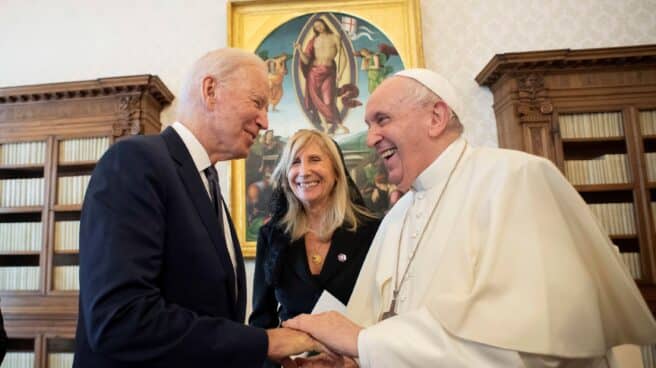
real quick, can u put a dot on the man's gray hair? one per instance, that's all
(423, 96)
(222, 65)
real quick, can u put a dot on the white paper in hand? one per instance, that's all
(328, 302)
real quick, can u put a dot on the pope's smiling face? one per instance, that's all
(398, 130)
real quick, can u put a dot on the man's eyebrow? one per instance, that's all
(259, 98)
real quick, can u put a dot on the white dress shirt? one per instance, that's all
(202, 161)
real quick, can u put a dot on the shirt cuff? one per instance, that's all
(364, 359)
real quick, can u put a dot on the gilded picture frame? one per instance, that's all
(280, 32)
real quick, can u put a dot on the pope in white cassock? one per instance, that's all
(491, 259)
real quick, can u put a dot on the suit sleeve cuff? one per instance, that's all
(260, 342)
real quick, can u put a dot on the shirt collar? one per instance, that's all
(196, 150)
(438, 171)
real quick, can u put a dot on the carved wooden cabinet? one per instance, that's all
(51, 136)
(593, 113)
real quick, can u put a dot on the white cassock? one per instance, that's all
(512, 270)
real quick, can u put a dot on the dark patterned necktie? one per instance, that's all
(215, 192)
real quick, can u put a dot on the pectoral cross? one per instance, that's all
(391, 312)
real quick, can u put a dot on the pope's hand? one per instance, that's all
(334, 330)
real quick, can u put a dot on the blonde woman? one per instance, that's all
(318, 236)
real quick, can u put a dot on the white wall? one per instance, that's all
(464, 35)
(44, 41)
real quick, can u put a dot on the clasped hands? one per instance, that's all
(330, 333)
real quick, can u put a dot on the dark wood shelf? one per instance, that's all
(592, 149)
(76, 167)
(593, 139)
(60, 345)
(60, 292)
(67, 251)
(77, 163)
(20, 344)
(604, 187)
(18, 253)
(67, 207)
(22, 166)
(66, 259)
(26, 209)
(20, 260)
(5, 293)
(623, 236)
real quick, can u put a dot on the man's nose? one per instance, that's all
(262, 120)
(373, 136)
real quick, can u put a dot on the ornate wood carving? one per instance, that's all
(64, 105)
(129, 121)
(533, 98)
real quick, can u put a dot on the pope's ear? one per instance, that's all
(439, 119)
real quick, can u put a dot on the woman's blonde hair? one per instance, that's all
(342, 209)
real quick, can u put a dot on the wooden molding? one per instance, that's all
(553, 60)
(88, 89)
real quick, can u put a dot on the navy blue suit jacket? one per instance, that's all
(157, 287)
(283, 286)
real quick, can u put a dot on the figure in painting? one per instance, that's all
(276, 71)
(375, 63)
(321, 68)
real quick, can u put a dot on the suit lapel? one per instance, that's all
(190, 177)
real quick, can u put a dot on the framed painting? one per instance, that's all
(324, 58)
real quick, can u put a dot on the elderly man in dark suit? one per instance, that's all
(161, 271)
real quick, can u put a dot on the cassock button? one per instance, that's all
(341, 257)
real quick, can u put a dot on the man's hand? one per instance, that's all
(334, 330)
(323, 360)
(284, 342)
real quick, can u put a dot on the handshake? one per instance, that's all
(330, 333)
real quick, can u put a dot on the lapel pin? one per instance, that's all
(341, 257)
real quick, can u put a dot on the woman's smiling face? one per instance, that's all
(312, 176)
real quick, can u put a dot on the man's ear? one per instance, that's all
(439, 119)
(208, 90)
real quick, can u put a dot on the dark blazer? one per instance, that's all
(3, 339)
(282, 275)
(157, 288)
